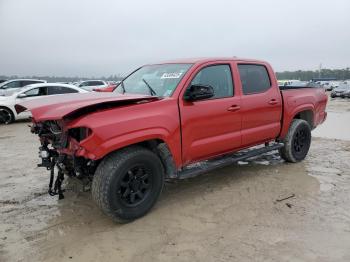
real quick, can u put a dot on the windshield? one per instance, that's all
(158, 80)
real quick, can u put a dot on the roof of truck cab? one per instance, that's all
(201, 60)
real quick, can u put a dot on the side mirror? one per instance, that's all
(198, 92)
(22, 95)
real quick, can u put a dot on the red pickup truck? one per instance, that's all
(171, 120)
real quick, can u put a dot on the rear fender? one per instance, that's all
(289, 116)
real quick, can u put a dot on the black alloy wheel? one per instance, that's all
(301, 142)
(135, 186)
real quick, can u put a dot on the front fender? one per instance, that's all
(90, 150)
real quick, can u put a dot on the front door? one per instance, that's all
(212, 126)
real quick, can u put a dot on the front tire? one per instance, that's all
(127, 183)
(6, 116)
(297, 141)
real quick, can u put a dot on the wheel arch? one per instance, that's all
(307, 115)
(161, 148)
(305, 112)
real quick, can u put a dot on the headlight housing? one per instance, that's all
(79, 133)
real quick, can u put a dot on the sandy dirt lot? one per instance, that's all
(232, 214)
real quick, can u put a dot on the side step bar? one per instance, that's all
(209, 165)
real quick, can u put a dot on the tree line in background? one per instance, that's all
(339, 74)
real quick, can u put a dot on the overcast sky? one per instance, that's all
(101, 37)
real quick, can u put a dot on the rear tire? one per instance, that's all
(6, 116)
(297, 141)
(127, 183)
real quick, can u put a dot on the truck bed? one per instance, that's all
(296, 87)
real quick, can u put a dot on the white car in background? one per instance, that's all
(8, 113)
(90, 85)
(11, 86)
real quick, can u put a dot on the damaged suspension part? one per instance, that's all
(50, 159)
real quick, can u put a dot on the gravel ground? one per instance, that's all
(232, 214)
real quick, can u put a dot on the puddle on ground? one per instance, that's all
(336, 126)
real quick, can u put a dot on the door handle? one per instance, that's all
(233, 108)
(273, 102)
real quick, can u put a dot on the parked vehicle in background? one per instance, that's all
(339, 91)
(172, 120)
(90, 85)
(287, 82)
(8, 113)
(11, 86)
(346, 94)
(296, 83)
(315, 84)
(301, 84)
(113, 82)
(332, 85)
(110, 88)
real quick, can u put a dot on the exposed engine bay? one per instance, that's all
(57, 151)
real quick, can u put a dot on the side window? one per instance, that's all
(14, 84)
(40, 91)
(56, 90)
(96, 83)
(91, 83)
(32, 92)
(27, 82)
(254, 78)
(217, 76)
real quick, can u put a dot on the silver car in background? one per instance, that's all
(341, 90)
(90, 85)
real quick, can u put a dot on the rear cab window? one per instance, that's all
(254, 78)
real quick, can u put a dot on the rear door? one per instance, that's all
(261, 104)
(213, 126)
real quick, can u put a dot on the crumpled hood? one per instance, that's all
(61, 106)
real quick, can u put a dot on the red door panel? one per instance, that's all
(210, 128)
(261, 117)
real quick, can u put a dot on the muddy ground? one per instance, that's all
(232, 214)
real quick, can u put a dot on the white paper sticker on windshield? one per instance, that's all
(171, 75)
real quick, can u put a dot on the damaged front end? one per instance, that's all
(65, 144)
(60, 149)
